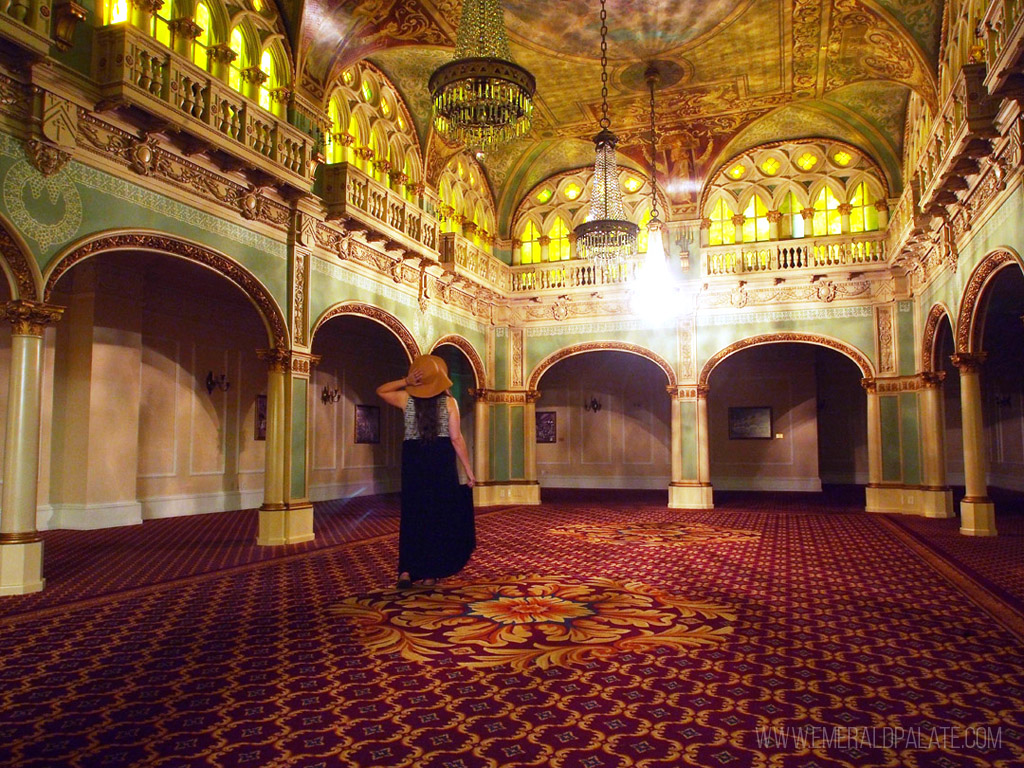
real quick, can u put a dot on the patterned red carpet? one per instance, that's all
(596, 630)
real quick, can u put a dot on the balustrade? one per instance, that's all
(27, 24)
(1003, 32)
(563, 275)
(789, 255)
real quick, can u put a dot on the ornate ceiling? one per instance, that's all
(746, 73)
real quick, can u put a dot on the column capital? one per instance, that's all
(774, 217)
(969, 362)
(532, 395)
(932, 379)
(277, 360)
(807, 213)
(845, 209)
(30, 318)
(186, 27)
(478, 394)
(222, 53)
(254, 75)
(870, 385)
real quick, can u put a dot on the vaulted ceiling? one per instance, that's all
(745, 73)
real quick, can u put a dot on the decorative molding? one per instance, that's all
(969, 362)
(598, 346)
(22, 267)
(469, 351)
(968, 330)
(278, 360)
(774, 338)
(299, 296)
(885, 339)
(386, 319)
(915, 383)
(931, 330)
(687, 392)
(172, 246)
(686, 350)
(303, 363)
(46, 158)
(30, 318)
(516, 337)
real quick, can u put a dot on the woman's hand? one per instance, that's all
(414, 378)
(471, 481)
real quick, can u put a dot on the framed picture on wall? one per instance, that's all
(367, 424)
(260, 430)
(753, 423)
(547, 427)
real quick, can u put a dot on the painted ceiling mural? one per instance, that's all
(737, 73)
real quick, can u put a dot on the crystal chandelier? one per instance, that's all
(605, 236)
(481, 98)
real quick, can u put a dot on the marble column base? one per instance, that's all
(977, 518)
(690, 496)
(285, 524)
(21, 568)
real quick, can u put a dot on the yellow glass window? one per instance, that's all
(722, 230)
(792, 219)
(544, 195)
(200, 49)
(347, 77)
(864, 216)
(641, 237)
(632, 184)
(385, 108)
(257, 5)
(807, 160)
(530, 249)
(842, 158)
(116, 11)
(161, 28)
(572, 191)
(755, 226)
(353, 130)
(268, 68)
(558, 249)
(366, 90)
(770, 166)
(737, 171)
(236, 44)
(827, 220)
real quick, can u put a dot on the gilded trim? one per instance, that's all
(389, 321)
(194, 252)
(22, 271)
(853, 353)
(600, 346)
(931, 332)
(469, 351)
(968, 329)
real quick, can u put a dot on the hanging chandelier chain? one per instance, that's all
(654, 161)
(605, 122)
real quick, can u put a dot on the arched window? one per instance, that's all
(827, 220)
(722, 231)
(200, 49)
(558, 248)
(755, 224)
(357, 141)
(864, 216)
(269, 68)
(161, 25)
(792, 224)
(530, 249)
(237, 45)
(115, 11)
(642, 235)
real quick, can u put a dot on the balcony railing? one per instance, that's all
(27, 24)
(792, 255)
(960, 136)
(349, 193)
(1003, 30)
(132, 68)
(906, 223)
(563, 275)
(465, 257)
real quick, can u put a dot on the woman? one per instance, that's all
(437, 533)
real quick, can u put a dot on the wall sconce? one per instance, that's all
(217, 382)
(593, 405)
(330, 395)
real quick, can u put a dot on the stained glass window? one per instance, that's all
(530, 249)
(864, 216)
(642, 235)
(755, 227)
(827, 220)
(842, 158)
(770, 166)
(268, 68)
(544, 195)
(558, 248)
(161, 28)
(236, 44)
(200, 49)
(117, 11)
(722, 230)
(807, 161)
(792, 220)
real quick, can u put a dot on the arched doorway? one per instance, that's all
(603, 421)
(355, 437)
(786, 417)
(156, 388)
(465, 369)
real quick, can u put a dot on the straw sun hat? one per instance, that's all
(435, 376)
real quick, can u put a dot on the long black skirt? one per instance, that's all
(437, 534)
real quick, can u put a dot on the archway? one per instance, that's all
(355, 437)
(603, 419)
(597, 346)
(377, 315)
(157, 384)
(466, 370)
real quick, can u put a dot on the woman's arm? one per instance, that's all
(458, 442)
(394, 392)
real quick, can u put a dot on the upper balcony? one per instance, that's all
(803, 255)
(961, 134)
(134, 70)
(25, 24)
(554, 276)
(907, 225)
(1003, 30)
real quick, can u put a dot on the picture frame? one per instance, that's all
(367, 424)
(750, 423)
(260, 421)
(547, 427)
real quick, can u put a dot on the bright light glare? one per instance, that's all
(654, 297)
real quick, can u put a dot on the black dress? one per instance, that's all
(437, 533)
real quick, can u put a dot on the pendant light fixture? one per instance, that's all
(605, 236)
(481, 98)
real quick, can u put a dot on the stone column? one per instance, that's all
(703, 438)
(937, 496)
(545, 247)
(873, 493)
(21, 548)
(278, 365)
(517, 252)
(142, 13)
(530, 436)
(774, 219)
(883, 213)
(184, 32)
(845, 209)
(977, 513)
(221, 58)
(253, 78)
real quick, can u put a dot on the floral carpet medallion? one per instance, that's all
(528, 621)
(655, 534)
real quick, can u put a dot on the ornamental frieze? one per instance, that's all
(823, 291)
(897, 384)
